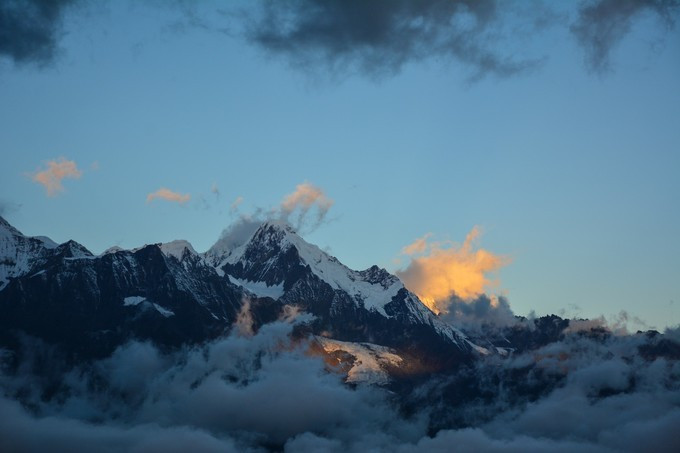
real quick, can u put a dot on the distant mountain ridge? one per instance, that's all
(172, 295)
(169, 294)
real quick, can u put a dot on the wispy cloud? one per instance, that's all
(602, 24)
(215, 190)
(56, 171)
(381, 37)
(169, 195)
(417, 246)
(488, 37)
(235, 204)
(8, 207)
(438, 271)
(305, 198)
(302, 200)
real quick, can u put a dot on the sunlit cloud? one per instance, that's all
(169, 195)
(306, 197)
(439, 270)
(56, 170)
(417, 246)
(235, 204)
(244, 320)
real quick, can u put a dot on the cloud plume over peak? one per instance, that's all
(303, 199)
(440, 270)
(299, 205)
(56, 171)
(167, 194)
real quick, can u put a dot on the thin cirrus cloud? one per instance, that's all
(168, 195)
(57, 170)
(438, 271)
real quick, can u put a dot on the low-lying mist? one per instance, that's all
(592, 391)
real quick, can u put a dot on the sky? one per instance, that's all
(168, 120)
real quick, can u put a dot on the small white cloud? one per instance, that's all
(169, 195)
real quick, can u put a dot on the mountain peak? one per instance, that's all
(6, 227)
(177, 248)
(278, 224)
(72, 249)
(231, 245)
(275, 254)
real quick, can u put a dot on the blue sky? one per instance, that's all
(571, 173)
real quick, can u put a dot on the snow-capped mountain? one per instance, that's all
(19, 254)
(365, 323)
(91, 304)
(276, 262)
(170, 294)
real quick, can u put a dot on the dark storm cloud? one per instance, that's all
(602, 24)
(374, 38)
(381, 36)
(30, 29)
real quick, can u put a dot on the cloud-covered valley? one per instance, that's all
(590, 390)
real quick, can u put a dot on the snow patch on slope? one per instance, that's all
(177, 249)
(133, 300)
(47, 242)
(163, 311)
(113, 249)
(369, 360)
(260, 289)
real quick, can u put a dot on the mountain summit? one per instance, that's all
(370, 305)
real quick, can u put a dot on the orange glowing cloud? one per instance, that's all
(417, 246)
(439, 270)
(305, 197)
(169, 195)
(56, 170)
